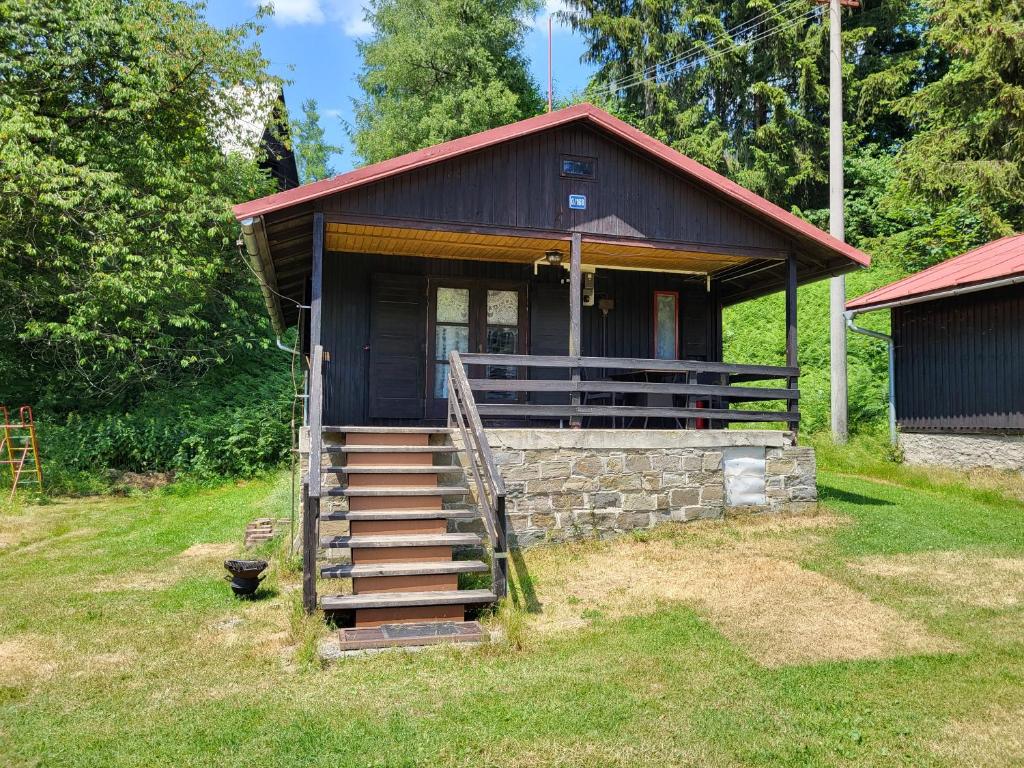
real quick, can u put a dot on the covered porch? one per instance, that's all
(516, 337)
(568, 329)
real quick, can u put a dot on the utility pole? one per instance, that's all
(837, 225)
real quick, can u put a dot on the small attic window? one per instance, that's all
(578, 167)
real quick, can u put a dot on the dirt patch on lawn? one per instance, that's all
(972, 579)
(209, 551)
(137, 581)
(179, 568)
(775, 610)
(26, 659)
(994, 739)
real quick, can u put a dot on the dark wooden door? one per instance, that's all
(473, 316)
(398, 310)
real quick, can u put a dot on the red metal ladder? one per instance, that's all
(18, 446)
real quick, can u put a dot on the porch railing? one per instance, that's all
(696, 390)
(490, 488)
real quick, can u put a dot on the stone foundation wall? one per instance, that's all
(963, 451)
(569, 484)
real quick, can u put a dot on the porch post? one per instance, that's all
(792, 358)
(575, 300)
(311, 506)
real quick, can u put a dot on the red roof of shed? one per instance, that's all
(995, 261)
(625, 132)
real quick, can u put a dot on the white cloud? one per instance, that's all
(350, 14)
(550, 8)
(298, 12)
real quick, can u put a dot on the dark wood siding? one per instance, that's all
(519, 185)
(960, 362)
(348, 281)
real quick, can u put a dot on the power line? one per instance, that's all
(696, 49)
(680, 62)
(633, 81)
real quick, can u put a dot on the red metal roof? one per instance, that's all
(580, 112)
(998, 260)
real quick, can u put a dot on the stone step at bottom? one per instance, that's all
(409, 635)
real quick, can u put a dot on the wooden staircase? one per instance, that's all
(393, 483)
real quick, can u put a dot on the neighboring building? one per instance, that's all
(473, 298)
(260, 129)
(958, 336)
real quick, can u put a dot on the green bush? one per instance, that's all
(233, 422)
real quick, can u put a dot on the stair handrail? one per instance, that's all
(489, 484)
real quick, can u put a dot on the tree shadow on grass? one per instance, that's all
(828, 493)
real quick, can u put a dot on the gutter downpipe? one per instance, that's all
(849, 315)
(252, 251)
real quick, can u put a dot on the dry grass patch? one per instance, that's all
(26, 659)
(994, 739)
(209, 551)
(746, 584)
(965, 577)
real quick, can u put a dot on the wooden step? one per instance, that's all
(414, 568)
(406, 599)
(388, 430)
(401, 540)
(390, 449)
(410, 635)
(398, 491)
(402, 514)
(390, 469)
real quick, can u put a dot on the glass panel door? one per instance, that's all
(666, 325)
(470, 316)
(451, 332)
(502, 336)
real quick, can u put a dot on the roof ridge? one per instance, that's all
(695, 171)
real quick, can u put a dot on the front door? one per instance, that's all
(473, 316)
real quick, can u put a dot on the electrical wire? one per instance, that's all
(681, 62)
(695, 52)
(260, 280)
(739, 29)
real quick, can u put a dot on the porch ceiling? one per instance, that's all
(434, 243)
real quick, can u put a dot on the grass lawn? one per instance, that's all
(887, 630)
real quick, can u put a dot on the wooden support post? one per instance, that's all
(311, 505)
(499, 566)
(310, 517)
(575, 309)
(792, 357)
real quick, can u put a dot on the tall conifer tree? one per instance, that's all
(435, 70)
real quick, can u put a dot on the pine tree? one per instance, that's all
(960, 178)
(745, 88)
(435, 70)
(312, 152)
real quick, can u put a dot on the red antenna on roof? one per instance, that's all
(549, 63)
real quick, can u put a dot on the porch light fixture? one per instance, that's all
(554, 257)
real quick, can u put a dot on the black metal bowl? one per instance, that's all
(245, 569)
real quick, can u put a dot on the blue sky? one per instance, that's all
(312, 44)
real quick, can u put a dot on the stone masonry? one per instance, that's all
(572, 484)
(963, 451)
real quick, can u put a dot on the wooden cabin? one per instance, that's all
(957, 362)
(538, 309)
